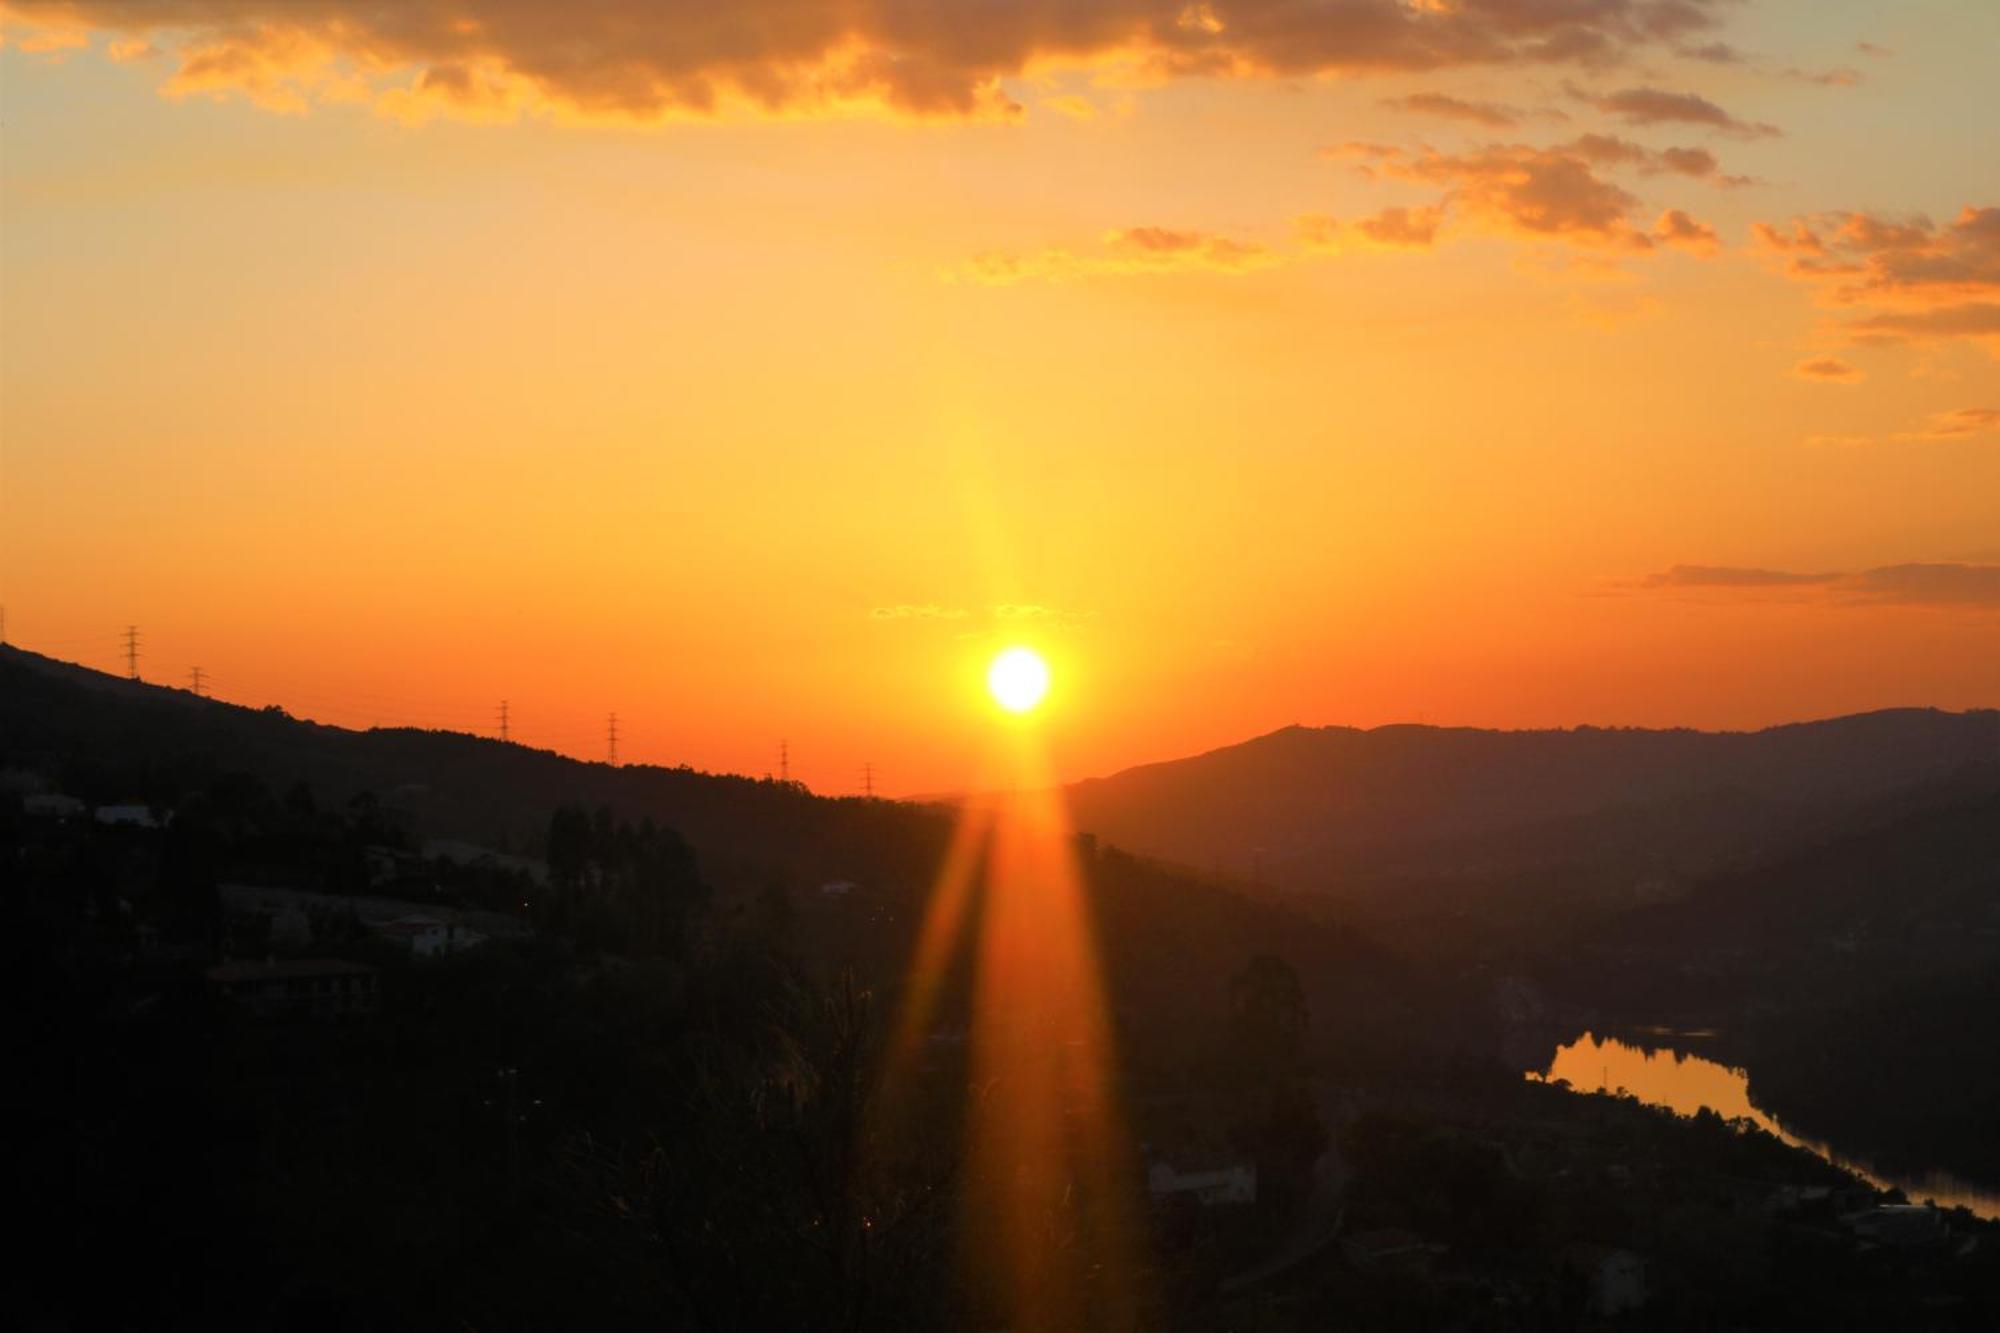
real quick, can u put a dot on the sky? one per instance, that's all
(757, 372)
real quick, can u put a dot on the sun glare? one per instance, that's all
(1018, 679)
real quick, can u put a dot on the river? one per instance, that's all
(1685, 1083)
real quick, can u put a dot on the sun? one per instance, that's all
(1018, 679)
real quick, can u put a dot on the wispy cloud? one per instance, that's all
(918, 611)
(1391, 228)
(1132, 250)
(1957, 424)
(1492, 115)
(1017, 611)
(1729, 576)
(1661, 106)
(1829, 369)
(1938, 584)
(1960, 423)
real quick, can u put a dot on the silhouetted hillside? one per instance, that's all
(1587, 811)
(110, 739)
(1170, 942)
(1855, 977)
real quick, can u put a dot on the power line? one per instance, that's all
(132, 651)
(611, 742)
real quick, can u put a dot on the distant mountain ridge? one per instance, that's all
(1304, 806)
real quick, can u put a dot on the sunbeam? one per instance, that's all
(1049, 1231)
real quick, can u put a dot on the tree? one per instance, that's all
(1267, 1017)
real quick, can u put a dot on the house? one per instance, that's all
(127, 816)
(299, 987)
(51, 805)
(1390, 1247)
(429, 936)
(1209, 1184)
(837, 888)
(471, 854)
(1903, 1226)
(1614, 1279)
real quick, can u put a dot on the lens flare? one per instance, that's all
(1050, 1233)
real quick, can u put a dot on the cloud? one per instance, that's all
(1976, 321)
(923, 611)
(1843, 77)
(1072, 106)
(1551, 193)
(1518, 190)
(1677, 228)
(1695, 163)
(1928, 585)
(1490, 114)
(1133, 250)
(1966, 421)
(1053, 616)
(1658, 106)
(1909, 279)
(1712, 53)
(1828, 368)
(1963, 423)
(1944, 584)
(1391, 229)
(649, 59)
(1725, 576)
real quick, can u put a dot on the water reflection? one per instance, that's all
(1686, 1083)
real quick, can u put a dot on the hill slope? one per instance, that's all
(1344, 811)
(1169, 943)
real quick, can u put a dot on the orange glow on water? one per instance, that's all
(1686, 1084)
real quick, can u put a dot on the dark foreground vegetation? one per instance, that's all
(291, 1050)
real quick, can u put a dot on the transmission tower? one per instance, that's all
(611, 742)
(784, 761)
(868, 781)
(503, 720)
(197, 681)
(132, 651)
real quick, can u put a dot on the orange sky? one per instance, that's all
(756, 373)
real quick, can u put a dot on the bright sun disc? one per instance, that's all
(1018, 679)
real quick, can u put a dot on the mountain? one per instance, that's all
(1169, 942)
(108, 739)
(1855, 977)
(1371, 815)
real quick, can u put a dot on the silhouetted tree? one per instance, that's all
(1267, 1017)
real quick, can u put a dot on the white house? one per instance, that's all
(51, 805)
(429, 937)
(1615, 1278)
(1233, 1182)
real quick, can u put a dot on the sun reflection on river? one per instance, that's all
(1686, 1083)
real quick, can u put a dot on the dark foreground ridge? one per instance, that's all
(400, 1029)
